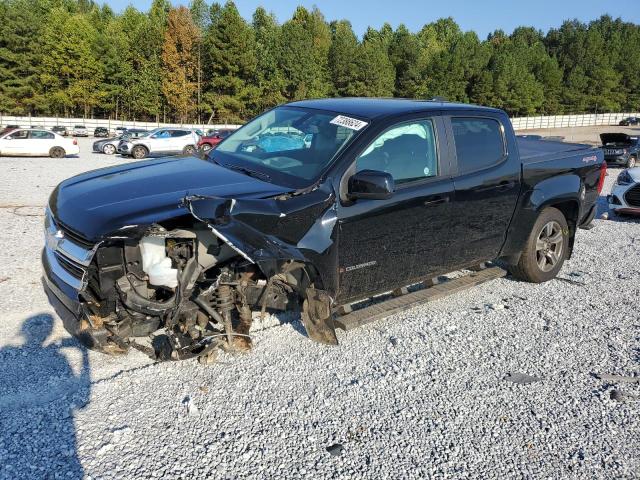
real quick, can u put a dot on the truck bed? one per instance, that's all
(533, 150)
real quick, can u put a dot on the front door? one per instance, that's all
(16, 143)
(384, 244)
(161, 141)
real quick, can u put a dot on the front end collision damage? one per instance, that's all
(184, 288)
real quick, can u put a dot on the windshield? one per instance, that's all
(292, 145)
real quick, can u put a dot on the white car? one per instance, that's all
(625, 194)
(80, 131)
(161, 141)
(36, 143)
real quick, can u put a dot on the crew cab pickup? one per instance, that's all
(171, 256)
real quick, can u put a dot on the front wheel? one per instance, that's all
(632, 162)
(139, 152)
(205, 147)
(57, 152)
(109, 149)
(545, 250)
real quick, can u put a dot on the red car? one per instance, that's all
(213, 138)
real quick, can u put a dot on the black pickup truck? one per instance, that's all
(314, 204)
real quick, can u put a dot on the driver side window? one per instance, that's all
(406, 151)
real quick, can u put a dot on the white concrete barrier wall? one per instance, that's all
(519, 123)
(91, 123)
(560, 121)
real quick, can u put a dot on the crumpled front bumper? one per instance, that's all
(65, 263)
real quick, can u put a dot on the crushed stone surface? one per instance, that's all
(424, 393)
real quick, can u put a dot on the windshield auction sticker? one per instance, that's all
(348, 122)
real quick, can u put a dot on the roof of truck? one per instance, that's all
(381, 107)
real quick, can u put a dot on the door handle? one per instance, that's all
(436, 200)
(502, 186)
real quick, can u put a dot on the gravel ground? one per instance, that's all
(420, 394)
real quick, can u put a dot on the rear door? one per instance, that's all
(487, 184)
(384, 244)
(179, 140)
(15, 143)
(41, 142)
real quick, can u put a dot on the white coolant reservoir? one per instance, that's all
(156, 264)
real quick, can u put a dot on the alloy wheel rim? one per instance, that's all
(549, 246)
(109, 149)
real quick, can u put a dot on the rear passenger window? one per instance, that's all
(406, 151)
(479, 143)
(42, 135)
(178, 133)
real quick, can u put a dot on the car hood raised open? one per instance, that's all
(98, 203)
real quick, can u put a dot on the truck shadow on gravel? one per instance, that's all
(38, 397)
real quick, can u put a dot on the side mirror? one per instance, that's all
(371, 184)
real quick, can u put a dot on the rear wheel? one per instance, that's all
(189, 150)
(139, 152)
(57, 152)
(546, 248)
(109, 149)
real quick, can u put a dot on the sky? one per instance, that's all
(482, 16)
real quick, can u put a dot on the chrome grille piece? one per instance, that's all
(67, 253)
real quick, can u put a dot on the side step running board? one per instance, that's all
(403, 302)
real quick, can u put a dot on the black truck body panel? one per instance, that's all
(348, 249)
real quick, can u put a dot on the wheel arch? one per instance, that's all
(560, 192)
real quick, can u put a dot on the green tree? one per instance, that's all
(231, 62)
(270, 78)
(306, 40)
(179, 62)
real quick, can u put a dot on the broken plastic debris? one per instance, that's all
(335, 449)
(521, 378)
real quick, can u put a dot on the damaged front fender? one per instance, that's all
(275, 233)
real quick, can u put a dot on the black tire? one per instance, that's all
(206, 147)
(542, 257)
(109, 149)
(632, 162)
(189, 150)
(139, 152)
(57, 152)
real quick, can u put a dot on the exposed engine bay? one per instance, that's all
(185, 289)
(182, 289)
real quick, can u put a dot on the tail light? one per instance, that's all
(75, 141)
(603, 173)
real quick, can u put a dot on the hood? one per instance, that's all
(98, 203)
(634, 173)
(105, 140)
(617, 138)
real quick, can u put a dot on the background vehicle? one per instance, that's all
(626, 122)
(625, 194)
(80, 131)
(101, 132)
(36, 143)
(161, 141)
(60, 130)
(213, 138)
(387, 193)
(109, 146)
(620, 149)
